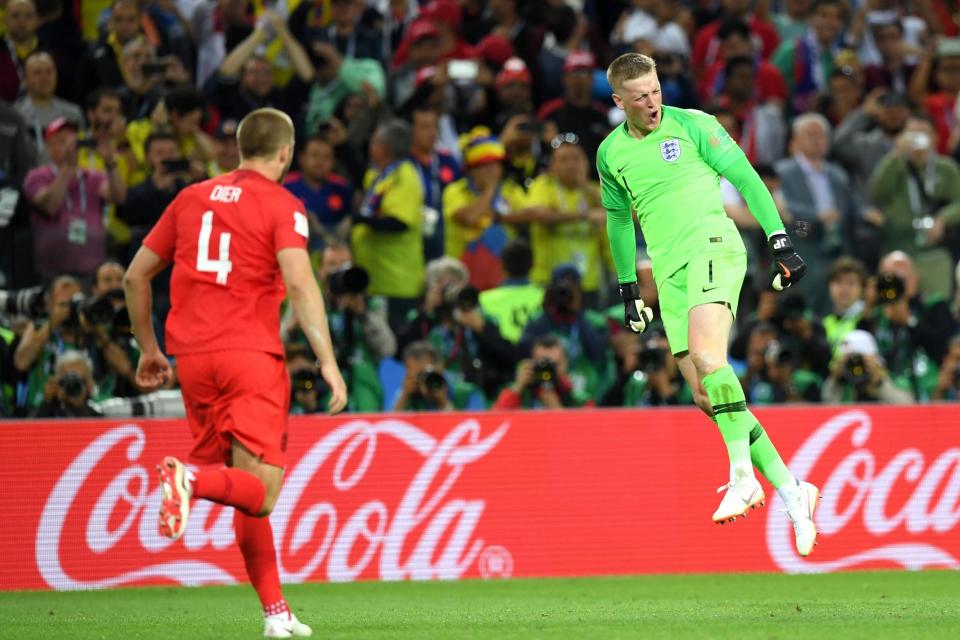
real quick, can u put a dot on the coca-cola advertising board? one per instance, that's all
(486, 495)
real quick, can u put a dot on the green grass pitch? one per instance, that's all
(871, 605)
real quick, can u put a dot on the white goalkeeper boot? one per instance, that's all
(801, 503)
(742, 496)
(285, 625)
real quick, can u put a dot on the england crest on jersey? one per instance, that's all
(670, 149)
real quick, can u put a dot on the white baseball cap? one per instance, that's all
(859, 341)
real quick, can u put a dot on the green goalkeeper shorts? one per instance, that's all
(708, 277)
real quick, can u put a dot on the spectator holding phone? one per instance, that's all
(68, 230)
(180, 112)
(146, 78)
(168, 174)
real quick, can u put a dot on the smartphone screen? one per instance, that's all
(176, 166)
(154, 68)
(462, 69)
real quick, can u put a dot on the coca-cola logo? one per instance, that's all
(427, 534)
(858, 492)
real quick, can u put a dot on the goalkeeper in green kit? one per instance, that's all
(665, 163)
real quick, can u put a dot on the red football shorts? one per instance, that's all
(236, 394)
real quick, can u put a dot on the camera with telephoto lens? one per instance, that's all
(431, 379)
(890, 288)
(457, 296)
(96, 309)
(349, 280)
(73, 384)
(460, 296)
(855, 371)
(559, 297)
(793, 307)
(305, 380)
(544, 373)
(651, 357)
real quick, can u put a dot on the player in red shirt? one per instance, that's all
(237, 243)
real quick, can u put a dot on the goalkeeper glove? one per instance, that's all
(636, 316)
(790, 266)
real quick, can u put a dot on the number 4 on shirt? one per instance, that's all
(222, 265)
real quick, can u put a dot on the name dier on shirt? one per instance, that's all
(228, 194)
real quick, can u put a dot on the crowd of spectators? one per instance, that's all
(445, 159)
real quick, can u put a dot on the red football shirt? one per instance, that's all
(222, 236)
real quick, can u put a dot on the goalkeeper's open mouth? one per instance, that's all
(653, 118)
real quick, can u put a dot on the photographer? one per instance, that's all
(858, 374)
(542, 382)
(761, 336)
(70, 389)
(108, 308)
(450, 317)
(934, 320)
(583, 334)
(361, 335)
(782, 381)
(804, 335)
(358, 327)
(901, 338)
(948, 382)
(649, 376)
(74, 322)
(427, 388)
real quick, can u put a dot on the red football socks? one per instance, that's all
(232, 487)
(255, 539)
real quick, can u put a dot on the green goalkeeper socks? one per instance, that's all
(747, 442)
(765, 458)
(733, 419)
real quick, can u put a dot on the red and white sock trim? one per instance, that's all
(276, 608)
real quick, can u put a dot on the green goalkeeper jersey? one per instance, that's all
(671, 178)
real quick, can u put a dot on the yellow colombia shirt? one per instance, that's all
(394, 260)
(579, 242)
(457, 195)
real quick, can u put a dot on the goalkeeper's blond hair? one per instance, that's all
(627, 67)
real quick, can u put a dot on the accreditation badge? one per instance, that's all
(77, 231)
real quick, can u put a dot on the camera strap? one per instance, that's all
(17, 66)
